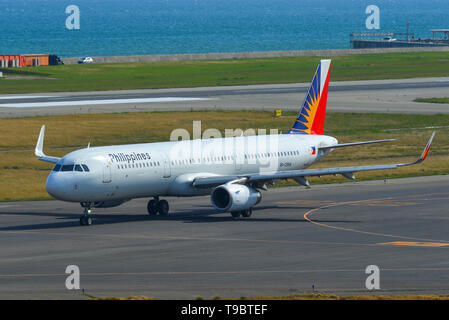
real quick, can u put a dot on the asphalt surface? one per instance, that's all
(325, 236)
(351, 96)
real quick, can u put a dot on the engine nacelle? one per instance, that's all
(234, 197)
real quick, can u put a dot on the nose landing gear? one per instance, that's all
(86, 219)
(157, 206)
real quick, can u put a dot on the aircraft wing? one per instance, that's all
(259, 178)
(38, 151)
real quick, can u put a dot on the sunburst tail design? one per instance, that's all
(311, 116)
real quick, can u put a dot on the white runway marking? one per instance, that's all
(6, 206)
(94, 102)
(22, 97)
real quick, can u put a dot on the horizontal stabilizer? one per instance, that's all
(352, 144)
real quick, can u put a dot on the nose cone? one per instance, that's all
(57, 187)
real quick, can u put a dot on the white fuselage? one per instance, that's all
(168, 168)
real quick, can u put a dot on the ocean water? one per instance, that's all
(137, 27)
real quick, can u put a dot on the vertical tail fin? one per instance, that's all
(311, 116)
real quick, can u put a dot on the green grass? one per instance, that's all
(121, 76)
(433, 100)
(23, 176)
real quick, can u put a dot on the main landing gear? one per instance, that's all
(244, 213)
(157, 206)
(86, 219)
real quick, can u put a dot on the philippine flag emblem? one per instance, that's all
(313, 150)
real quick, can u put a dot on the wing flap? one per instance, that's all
(345, 171)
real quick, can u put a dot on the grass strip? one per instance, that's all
(176, 74)
(23, 176)
(433, 100)
(310, 296)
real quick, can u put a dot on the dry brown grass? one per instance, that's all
(23, 176)
(325, 296)
(310, 296)
(127, 298)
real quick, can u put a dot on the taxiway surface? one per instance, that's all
(387, 96)
(297, 238)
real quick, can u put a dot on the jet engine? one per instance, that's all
(234, 197)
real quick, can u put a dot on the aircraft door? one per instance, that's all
(167, 168)
(238, 163)
(239, 148)
(107, 174)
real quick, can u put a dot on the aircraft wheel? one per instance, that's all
(247, 213)
(163, 207)
(235, 214)
(85, 220)
(152, 207)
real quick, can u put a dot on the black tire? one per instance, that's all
(85, 220)
(152, 207)
(163, 208)
(235, 214)
(247, 213)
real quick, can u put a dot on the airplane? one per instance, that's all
(104, 177)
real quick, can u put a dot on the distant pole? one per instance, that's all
(408, 25)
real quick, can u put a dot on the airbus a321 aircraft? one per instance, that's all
(103, 177)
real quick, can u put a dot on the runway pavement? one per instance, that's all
(394, 96)
(296, 238)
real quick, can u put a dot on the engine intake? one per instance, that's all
(234, 197)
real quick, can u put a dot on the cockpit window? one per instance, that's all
(67, 167)
(71, 167)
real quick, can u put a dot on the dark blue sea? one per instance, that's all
(138, 27)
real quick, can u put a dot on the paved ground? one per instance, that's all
(350, 96)
(325, 236)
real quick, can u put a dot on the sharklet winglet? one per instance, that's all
(39, 150)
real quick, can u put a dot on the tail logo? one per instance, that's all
(311, 116)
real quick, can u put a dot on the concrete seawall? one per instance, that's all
(244, 55)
